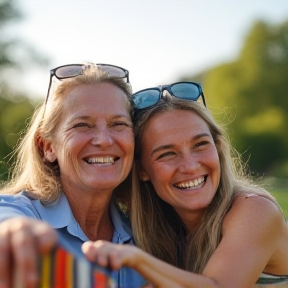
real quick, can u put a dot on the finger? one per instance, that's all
(46, 237)
(106, 254)
(115, 260)
(5, 260)
(93, 249)
(21, 241)
(97, 251)
(36, 237)
(24, 252)
(89, 250)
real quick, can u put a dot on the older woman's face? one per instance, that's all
(179, 157)
(94, 141)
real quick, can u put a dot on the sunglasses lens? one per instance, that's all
(68, 71)
(188, 91)
(145, 98)
(113, 71)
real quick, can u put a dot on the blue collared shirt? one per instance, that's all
(60, 217)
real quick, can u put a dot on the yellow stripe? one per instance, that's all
(69, 270)
(46, 271)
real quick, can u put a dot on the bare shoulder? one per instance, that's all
(256, 226)
(252, 208)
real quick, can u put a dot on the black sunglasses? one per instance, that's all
(73, 70)
(148, 98)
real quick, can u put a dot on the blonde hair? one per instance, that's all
(30, 171)
(156, 226)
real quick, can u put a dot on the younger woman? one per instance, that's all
(194, 209)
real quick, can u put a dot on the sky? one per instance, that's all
(158, 41)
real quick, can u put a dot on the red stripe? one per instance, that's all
(100, 280)
(59, 268)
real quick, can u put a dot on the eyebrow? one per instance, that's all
(169, 146)
(86, 117)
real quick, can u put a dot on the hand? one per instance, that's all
(111, 255)
(21, 239)
(156, 272)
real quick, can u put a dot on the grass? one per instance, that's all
(282, 198)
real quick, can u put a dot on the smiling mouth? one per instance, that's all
(101, 160)
(192, 183)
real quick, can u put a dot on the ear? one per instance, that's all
(141, 173)
(47, 148)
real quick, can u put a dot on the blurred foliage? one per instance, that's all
(8, 13)
(250, 95)
(13, 118)
(15, 108)
(15, 54)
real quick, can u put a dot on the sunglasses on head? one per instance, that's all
(73, 70)
(148, 98)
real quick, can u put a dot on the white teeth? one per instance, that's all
(101, 160)
(191, 184)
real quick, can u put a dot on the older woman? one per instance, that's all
(193, 209)
(72, 171)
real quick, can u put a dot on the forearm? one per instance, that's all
(155, 271)
(163, 275)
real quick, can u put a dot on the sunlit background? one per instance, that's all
(156, 40)
(238, 50)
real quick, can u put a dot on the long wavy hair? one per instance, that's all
(31, 172)
(157, 227)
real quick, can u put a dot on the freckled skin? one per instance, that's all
(178, 152)
(90, 129)
(177, 148)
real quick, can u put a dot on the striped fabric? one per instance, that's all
(60, 269)
(271, 281)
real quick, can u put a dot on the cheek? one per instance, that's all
(76, 142)
(130, 145)
(159, 175)
(68, 150)
(65, 159)
(215, 166)
(126, 142)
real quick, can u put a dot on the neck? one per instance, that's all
(92, 214)
(191, 219)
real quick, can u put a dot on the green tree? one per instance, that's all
(14, 117)
(15, 108)
(8, 13)
(252, 93)
(9, 47)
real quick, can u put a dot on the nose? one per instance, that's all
(189, 163)
(102, 137)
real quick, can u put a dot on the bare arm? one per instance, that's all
(255, 239)
(157, 272)
(251, 241)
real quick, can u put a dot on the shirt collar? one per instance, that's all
(121, 224)
(58, 214)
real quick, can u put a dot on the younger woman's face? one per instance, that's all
(179, 157)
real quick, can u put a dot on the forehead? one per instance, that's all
(172, 125)
(104, 90)
(96, 96)
(175, 118)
